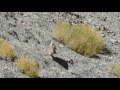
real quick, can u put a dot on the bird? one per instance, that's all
(51, 48)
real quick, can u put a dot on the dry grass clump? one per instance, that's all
(27, 65)
(6, 49)
(82, 38)
(115, 69)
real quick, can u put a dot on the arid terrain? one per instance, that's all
(29, 33)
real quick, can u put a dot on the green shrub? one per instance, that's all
(82, 38)
(6, 49)
(27, 65)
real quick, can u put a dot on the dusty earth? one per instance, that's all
(29, 33)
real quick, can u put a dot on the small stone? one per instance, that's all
(61, 45)
(103, 35)
(113, 40)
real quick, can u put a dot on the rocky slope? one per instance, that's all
(29, 33)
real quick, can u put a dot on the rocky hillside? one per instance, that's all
(29, 33)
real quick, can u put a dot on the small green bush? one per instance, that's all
(82, 38)
(27, 65)
(6, 49)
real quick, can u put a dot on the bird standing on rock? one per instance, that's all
(51, 48)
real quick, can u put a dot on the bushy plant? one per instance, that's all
(115, 69)
(6, 49)
(27, 65)
(81, 38)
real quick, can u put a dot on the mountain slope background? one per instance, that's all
(29, 33)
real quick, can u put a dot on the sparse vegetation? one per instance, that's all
(6, 49)
(115, 69)
(27, 66)
(82, 38)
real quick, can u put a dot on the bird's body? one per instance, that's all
(51, 48)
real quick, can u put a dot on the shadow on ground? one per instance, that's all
(61, 62)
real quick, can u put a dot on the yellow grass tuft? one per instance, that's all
(82, 38)
(27, 65)
(6, 49)
(115, 69)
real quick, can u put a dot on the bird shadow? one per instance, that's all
(61, 62)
